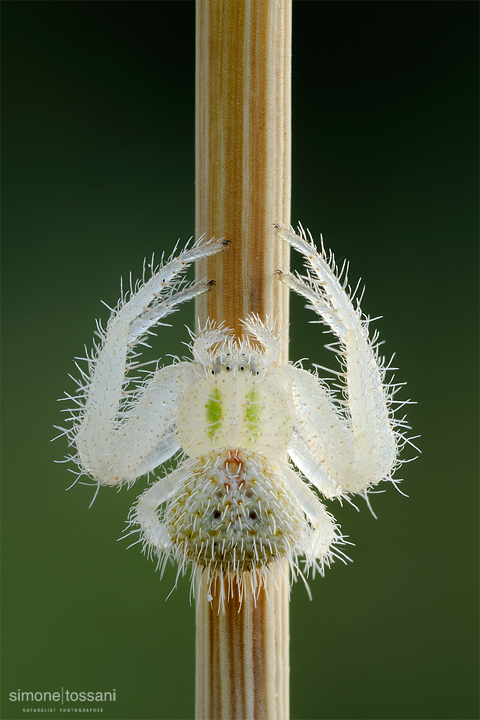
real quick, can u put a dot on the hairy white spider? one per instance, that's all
(235, 503)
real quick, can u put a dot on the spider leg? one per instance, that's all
(313, 469)
(118, 430)
(154, 532)
(167, 446)
(322, 446)
(143, 439)
(324, 532)
(366, 453)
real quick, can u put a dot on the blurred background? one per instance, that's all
(98, 173)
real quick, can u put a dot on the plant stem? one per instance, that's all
(242, 668)
(242, 187)
(243, 141)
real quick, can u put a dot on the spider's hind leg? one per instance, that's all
(154, 532)
(323, 534)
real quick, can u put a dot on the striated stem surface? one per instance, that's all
(242, 651)
(243, 181)
(243, 133)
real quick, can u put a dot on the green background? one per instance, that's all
(98, 172)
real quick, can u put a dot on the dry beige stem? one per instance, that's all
(243, 184)
(243, 154)
(242, 653)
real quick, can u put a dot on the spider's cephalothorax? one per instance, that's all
(256, 434)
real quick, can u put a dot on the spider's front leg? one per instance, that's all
(120, 433)
(339, 452)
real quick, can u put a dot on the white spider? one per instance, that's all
(235, 503)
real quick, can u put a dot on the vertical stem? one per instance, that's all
(243, 82)
(243, 154)
(242, 665)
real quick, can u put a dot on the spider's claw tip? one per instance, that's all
(211, 283)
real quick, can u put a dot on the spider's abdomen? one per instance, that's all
(234, 410)
(234, 513)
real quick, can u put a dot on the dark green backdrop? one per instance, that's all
(98, 172)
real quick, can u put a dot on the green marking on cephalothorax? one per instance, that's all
(214, 412)
(254, 409)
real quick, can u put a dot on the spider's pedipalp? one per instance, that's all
(206, 339)
(266, 335)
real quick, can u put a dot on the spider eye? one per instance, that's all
(242, 367)
(252, 364)
(217, 366)
(228, 367)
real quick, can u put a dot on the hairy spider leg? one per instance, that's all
(365, 448)
(155, 532)
(109, 436)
